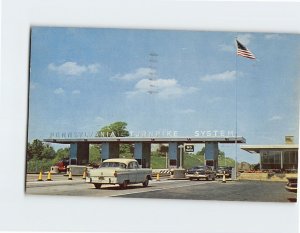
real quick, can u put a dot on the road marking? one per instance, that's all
(158, 189)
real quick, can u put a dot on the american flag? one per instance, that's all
(243, 51)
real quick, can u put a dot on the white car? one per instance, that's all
(119, 171)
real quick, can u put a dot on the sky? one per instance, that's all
(184, 83)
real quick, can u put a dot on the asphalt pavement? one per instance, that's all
(257, 191)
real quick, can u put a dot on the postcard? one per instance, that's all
(168, 114)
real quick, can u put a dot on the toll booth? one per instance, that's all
(211, 154)
(79, 153)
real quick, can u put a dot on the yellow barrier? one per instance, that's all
(49, 176)
(224, 178)
(40, 178)
(70, 176)
(157, 177)
(84, 175)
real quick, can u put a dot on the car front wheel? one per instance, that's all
(146, 183)
(124, 184)
(97, 186)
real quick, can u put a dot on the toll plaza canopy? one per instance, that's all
(110, 147)
(150, 140)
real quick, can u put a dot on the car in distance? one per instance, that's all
(201, 172)
(291, 186)
(222, 169)
(119, 171)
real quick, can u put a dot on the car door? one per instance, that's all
(132, 172)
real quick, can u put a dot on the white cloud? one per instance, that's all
(75, 92)
(275, 118)
(245, 39)
(93, 68)
(273, 36)
(227, 48)
(59, 91)
(73, 69)
(163, 88)
(225, 76)
(99, 119)
(137, 74)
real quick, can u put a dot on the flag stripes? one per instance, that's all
(243, 51)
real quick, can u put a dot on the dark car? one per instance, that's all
(292, 184)
(222, 169)
(201, 172)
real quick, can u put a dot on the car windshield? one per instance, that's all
(200, 167)
(113, 164)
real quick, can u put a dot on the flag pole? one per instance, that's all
(241, 50)
(236, 114)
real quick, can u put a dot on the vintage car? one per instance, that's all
(201, 172)
(291, 186)
(221, 170)
(119, 171)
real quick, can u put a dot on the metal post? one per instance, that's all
(167, 165)
(180, 148)
(281, 160)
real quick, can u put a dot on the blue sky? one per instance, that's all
(84, 79)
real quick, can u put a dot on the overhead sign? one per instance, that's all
(189, 148)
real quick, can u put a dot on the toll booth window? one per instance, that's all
(173, 162)
(209, 163)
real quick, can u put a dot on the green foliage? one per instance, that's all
(201, 152)
(117, 129)
(61, 154)
(94, 154)
(35, 165)
(35, 149)
(226, 161)
(191, 160)
(157, 160)
(48, 152)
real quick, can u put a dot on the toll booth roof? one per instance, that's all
(258, 148)
(100, 140)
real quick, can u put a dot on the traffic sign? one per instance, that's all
(189, 148)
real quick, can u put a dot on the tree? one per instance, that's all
(116, 129)
(62, 153)
(48, 152)
(35, 149)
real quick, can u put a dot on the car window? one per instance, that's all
(130, 165)
(135, 165)
(113, 164)
(122, 165)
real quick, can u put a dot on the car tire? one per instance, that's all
(97, 186)
(146, 183)
(124, 184)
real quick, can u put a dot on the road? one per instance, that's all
(168, 189)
